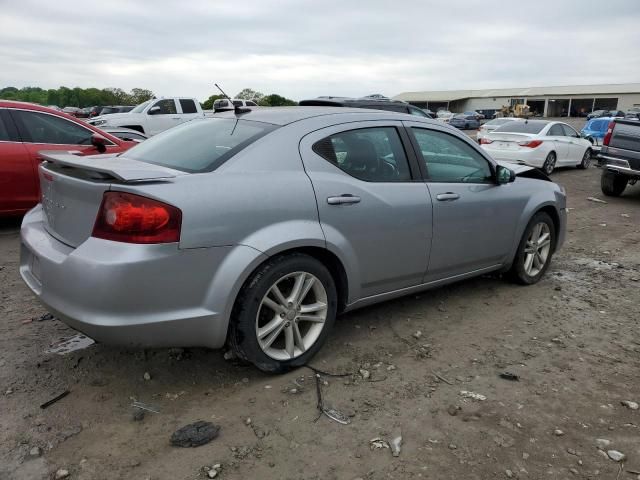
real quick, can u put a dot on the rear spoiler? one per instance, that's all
(120, 168)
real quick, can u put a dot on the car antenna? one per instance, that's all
(236, 109)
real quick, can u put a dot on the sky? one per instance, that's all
(303, 49)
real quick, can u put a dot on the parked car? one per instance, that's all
(471, 113)
(594, 131)
(463, 121)
(224, 105)
(153, 116)
(605, 113)
(108, 110)
(74, 112)
(540, 143)
(27, 129)
(620, 156)
(272, 222)
(429, 112)
(632, 114)
(54, 107)
(491, 125)
(91, 112)
(126, 134)
(371, 103)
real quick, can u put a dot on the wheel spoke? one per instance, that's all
(527, 263)
(298, 337)
(313, 307)
(288, 341)
(305, 289)
(273, 305)
(270, 327)
(274, 334)
(279, 297)
(544, 243)
(536, 233)
(311, 318)
(297, 287)
(543, 238)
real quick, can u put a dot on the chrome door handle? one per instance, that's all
(447, 197)
(346, 199)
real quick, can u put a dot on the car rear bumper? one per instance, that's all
(529, 156)
(130, 294)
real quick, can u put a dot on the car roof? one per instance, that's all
(348, 101)
(32, 106)
(286, 115)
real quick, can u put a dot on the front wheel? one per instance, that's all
(613, 184)
(535, 250)
(549, 163)
(586, 159)
(284, 313)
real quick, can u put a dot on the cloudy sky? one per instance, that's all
(306, 48)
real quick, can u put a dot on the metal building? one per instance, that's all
(572, 100)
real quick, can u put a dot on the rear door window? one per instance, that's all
(188, 105)
(369, 154)
(451, 160)
(44, 128)
(199, 145)
(569, 132)
(556, 131)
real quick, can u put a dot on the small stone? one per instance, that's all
(247, 421)
(391, 367)
(525, 455)
(147, 376)
(556, 340)
(508, 473)
(571, 451)
(616, 456)
(62, 473)
(453, 446)
(365, 373)
(417, 335)
(574, 471)
(35, 452)
(453, 410)
(558, 433)
(630, 404)
(602, 443)
(194, 434)
(293, 391)
(396, 445)
(212, 473)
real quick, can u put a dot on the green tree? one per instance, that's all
(249, 94)
(275, 100)
(140, 95)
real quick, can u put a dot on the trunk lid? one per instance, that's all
(72, 188)
(508, 141)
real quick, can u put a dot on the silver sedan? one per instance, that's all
(254, 230)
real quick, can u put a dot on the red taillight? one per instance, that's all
(607, 136)
(485, 141)
(125, 217)
(530, 143)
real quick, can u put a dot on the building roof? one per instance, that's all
(451, 95)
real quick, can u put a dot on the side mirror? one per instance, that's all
(99, 142)
(504, 175)
(154, 110)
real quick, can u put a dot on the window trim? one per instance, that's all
(10, 126)
(414, 172)
(195, 107)
(26, 137)
(423, 164)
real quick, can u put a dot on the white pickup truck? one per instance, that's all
(153, 116)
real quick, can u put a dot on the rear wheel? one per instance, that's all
(549, 163)
(535, 250)
(586, 159)
(284, 313)
(613, 184)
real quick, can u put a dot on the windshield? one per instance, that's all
(141, 107)
(522, 127)
(199, 145)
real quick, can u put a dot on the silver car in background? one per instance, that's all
(255, 230)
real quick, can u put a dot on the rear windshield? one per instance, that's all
(499, 121)
(522, 127)
(199, 145)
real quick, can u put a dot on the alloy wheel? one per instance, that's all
(549, 163)
(586, 159)
(536, 252)
(291, 315)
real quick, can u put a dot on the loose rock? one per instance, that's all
(62, 473)
(616, 456)
(147, 376)
(195, 434)
(558, 433)
(630, 404)
(417, 335)
(602, 443)
(396, 445)
(35, 452)
(472, 395)
(365, 373)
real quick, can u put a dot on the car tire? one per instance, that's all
(549, 163)
(613, 184)
(254, 311)
(528, 268)
(586, 159)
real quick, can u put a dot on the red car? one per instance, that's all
(25, 130)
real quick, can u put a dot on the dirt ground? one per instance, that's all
(573, 340)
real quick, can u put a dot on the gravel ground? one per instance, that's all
(572, 339)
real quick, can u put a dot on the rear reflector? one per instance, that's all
(607, 136)
(125, 217)
(530, 143)
(485, 141)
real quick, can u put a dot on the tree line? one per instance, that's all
(87, 97)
